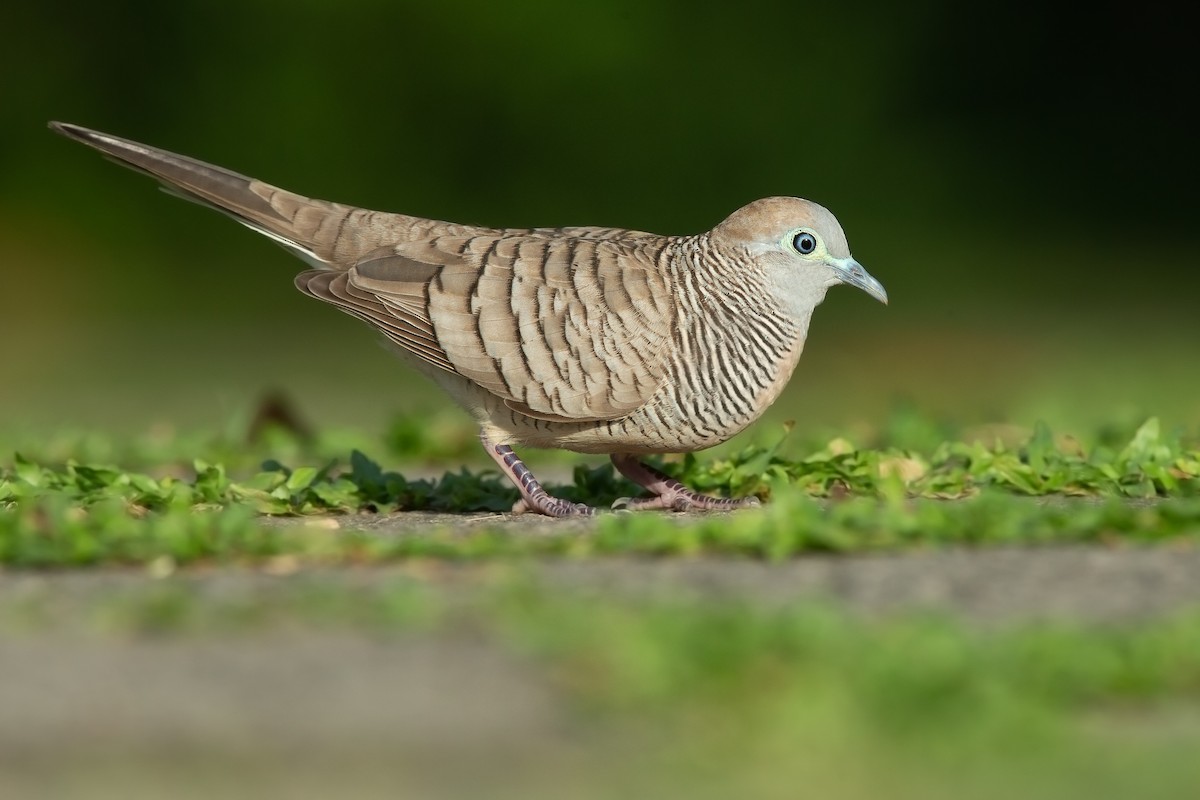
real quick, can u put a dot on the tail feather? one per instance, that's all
(304, 226)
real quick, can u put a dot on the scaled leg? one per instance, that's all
(533, 496)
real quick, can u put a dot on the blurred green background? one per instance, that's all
(1020, 177)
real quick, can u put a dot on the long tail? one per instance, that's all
(315, 230)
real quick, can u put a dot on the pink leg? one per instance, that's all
(668, 492)
(533, 496)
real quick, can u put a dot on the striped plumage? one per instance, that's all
(595, 340)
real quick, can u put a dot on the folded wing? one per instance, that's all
(563, 325)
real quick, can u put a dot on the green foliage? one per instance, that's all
(51, 531)
(837, 499)
(1151, 464)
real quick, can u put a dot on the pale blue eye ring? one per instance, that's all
(804, 242)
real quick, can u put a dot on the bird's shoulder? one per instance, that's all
(453, 252)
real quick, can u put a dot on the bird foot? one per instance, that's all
(686, 500)
(553, 506)
(669, 493)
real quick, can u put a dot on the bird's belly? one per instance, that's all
(681, 418)
(632, 434)
(686, 414)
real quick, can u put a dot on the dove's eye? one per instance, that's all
(804, 242)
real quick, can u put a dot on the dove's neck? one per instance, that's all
(732, 300)
(724, 283)
(797, 292)
(735, 346)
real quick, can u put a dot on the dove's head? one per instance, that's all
(799, 247)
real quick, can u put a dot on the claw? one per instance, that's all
(622, 505)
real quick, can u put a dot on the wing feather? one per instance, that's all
(561, 326)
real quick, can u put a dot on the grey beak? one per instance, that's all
(852, 272)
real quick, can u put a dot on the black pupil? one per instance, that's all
(804, 243)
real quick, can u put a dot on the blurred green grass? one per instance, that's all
(694, 697)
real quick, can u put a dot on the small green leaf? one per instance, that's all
(301, 478)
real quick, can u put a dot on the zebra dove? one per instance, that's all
(595, 340)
